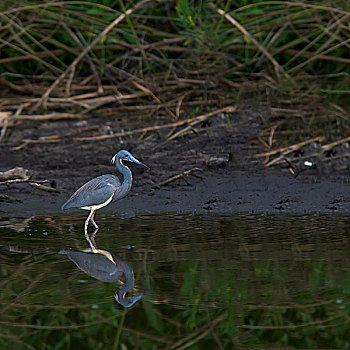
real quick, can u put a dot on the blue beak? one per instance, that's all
(136, 298)
(127, 302)
(134, 160)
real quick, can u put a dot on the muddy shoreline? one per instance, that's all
(231, 178)
(237, 192)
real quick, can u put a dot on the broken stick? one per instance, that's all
(181, 176)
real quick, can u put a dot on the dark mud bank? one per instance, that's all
(231, 177)
(226, 193)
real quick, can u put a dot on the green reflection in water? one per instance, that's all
(209, 283)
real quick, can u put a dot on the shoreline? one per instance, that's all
(214, 194)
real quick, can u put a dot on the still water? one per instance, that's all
(176, 282)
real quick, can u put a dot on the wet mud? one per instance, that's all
(219, 156)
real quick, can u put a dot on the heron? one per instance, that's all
(104, 189)
(106, 267)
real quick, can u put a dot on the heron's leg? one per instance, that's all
(93, 237)
(86, 231)
(93, 221)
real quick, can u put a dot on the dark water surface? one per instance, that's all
(208, 282)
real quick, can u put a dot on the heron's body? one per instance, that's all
(106, 267)
(96, 193)
(102, 190)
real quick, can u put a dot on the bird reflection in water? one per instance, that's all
(106, 267)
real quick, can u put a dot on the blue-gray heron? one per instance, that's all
(106, 267)
(104, 189)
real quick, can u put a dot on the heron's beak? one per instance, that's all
(127, 302)
(134, 160)
(136, 298)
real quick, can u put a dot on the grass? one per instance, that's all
(164, 56)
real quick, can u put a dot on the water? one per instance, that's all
(205, 282)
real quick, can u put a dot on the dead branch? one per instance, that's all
(286, 150)
(4, 121)
(51, 116)
(43, 187)
(148, 91)
(335, 143)
(229, 109)
(16, 88)
(273, 129)
(292, 147)
(20, 175)
(15, 173)
(178, 106)
(16, 181)
(263, 142)
(181, 176)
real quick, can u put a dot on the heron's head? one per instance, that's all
(124, 301)
(125, 155)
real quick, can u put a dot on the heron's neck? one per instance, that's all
(128, 284)
(127, 175)
(126, 287)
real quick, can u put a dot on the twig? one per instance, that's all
(181, 176)
(43, 188)
(23, 177)
(178, 106)
(335, 143)
(16, 88)
(148, 91)
(15, 181)
(291, 148)
(51, 116)
(229, 109)
(263, 142)
(69, 80)
(15, 173)
(286, 150)
(4, 120)
(273, 129)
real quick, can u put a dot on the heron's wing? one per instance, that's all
(95, 192)
(94, 264)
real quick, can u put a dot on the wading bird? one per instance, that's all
(104, 189)
(106, 267)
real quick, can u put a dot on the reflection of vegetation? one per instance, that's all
(241, 282)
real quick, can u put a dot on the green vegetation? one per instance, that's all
(170, 57)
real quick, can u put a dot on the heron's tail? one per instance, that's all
(66, 205)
